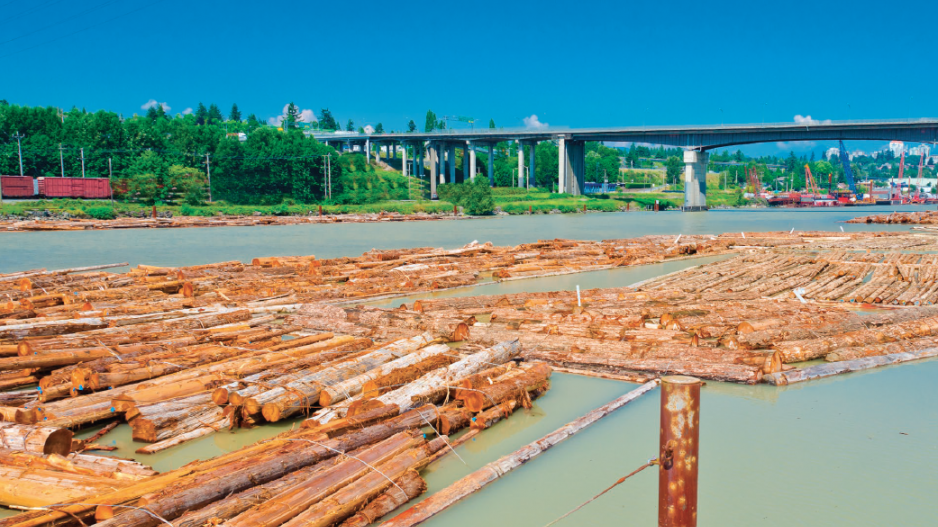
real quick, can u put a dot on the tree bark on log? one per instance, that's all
(413, 486)
(342, 504)
(280, 508)
(436, 384)
(38, 439)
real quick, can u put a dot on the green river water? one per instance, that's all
(857, 449)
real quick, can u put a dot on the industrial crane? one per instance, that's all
(754, 180)
(809, 183)
(898, 194)
(918, 184)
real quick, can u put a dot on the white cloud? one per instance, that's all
(187, 111)
(306, 116)
(806, 119)
(534, 122)
(795, 145)
(152, 103)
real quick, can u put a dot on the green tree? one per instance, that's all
(411, 126)
(235, 114)
(350, 126)
(492, 123)
(292, 117)
(253, 123)
(430, 124)
(214, 115)
(379, 129)
(327, 121)
(201, 114)
(674, 166)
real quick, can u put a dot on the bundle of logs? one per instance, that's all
(925, 217)
(177, 222)
(350, 467)
(891, 278)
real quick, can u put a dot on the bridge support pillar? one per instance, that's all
(433, 151)
(419, 169)
(451, 161)
(368, 151)
(695, 180)
(532, 182)
(491, 161)
(572, 167)
(404, 161)
(520, 164)
(465, 162)
(472, 161)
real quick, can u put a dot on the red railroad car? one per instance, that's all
(17, 187)
(97, 188)
(75, 187)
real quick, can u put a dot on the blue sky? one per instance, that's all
(569, 63)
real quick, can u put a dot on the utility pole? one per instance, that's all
(19, 147)
(61, 160)
(328, 166)
(208, 170)
(110, 169)
(83, 162)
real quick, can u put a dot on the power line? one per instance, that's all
(43, 28)
(36, 8)
(82, 30)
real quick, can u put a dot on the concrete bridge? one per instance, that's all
(441, 146)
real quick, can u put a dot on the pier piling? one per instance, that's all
(678, 457)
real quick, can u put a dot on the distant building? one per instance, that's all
(831, 152)
(897, 147)
(856, 153)
(919, 150)
(240, 135)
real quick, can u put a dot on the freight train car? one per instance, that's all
(74, 187)
(17, 187)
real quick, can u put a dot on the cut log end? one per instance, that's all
(461, 332)
(58, 442)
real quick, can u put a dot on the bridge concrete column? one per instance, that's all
(404, 161)
(520, 163)
(491, 165)
(419, 170)
(695, 180)
(451, 161)
(465, 162)
(368, 151)
(572, 166)
(434, 168)
(472, 161)
(532, 182)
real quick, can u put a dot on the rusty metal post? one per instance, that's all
(678, 458)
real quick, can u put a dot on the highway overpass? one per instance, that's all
(441, 145)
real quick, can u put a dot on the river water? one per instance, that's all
(857, 449)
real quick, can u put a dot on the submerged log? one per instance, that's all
(836, 368)
(477, 480)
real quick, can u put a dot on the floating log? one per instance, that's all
(38, 439)
(475, 481)
(836, 368)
